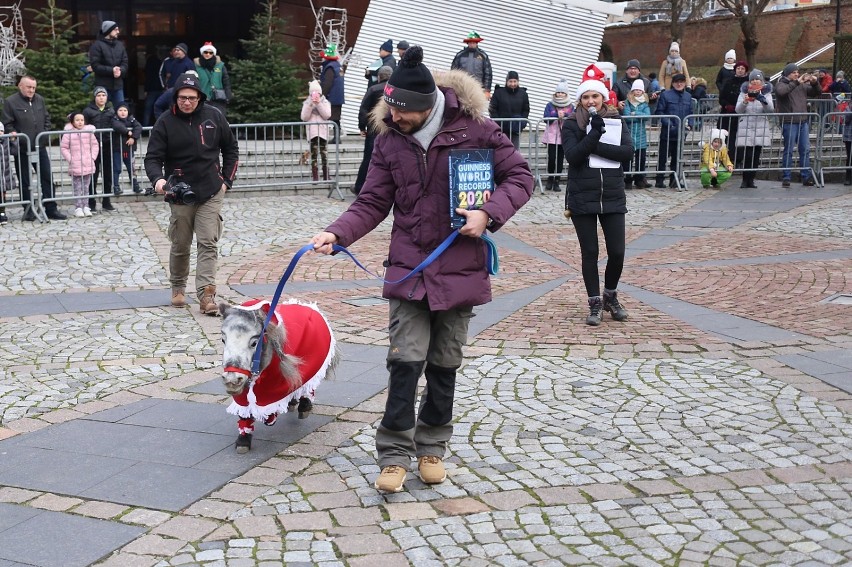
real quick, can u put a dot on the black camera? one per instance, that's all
(753, 94)
(178, 191)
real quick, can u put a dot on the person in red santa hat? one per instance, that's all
(595, 191)
(593, 73)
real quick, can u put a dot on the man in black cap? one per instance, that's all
(385, 59)
(791, 96)
(429, 313)
(368, 103)
(401, 47)
(178, 153)
(622, 88)
(175, 66)
(673, 102)
(511, 103)
(108, 60)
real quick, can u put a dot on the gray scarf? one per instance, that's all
(433, 123)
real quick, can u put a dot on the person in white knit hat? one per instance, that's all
(672, 65)
(727, 70)
(316, 110)
(213, 77)
(633, 109)
(595, 191)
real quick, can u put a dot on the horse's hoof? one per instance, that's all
(305, 407)
(243, 443)
(292, 403)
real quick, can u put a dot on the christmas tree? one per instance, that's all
(59, 66)
(265, 87)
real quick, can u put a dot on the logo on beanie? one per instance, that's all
(388, 92)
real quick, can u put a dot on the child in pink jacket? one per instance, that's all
(79, 147)
(316, 108)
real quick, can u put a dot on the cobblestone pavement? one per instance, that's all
(652, 442)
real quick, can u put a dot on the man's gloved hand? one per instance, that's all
(597, 123)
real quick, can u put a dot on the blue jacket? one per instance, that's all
(332, 82)
(675, 103)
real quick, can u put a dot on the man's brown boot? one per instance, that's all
(178, 297)
(208, 301)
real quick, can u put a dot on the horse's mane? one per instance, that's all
(276, 335)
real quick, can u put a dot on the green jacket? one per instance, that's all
(218, 79)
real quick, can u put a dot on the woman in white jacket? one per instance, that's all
(754, 131)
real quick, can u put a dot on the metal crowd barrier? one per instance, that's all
(771, 155)
(831, 150)
(652, 127)
(539, 163)
(14, 161)
(278, 155)
(58, 169)
(272, 156)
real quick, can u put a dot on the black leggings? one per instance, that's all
(586, 227)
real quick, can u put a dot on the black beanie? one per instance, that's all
(411, 86)
(512, 75)
(188, 81)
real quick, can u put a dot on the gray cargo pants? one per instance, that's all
(420, 337)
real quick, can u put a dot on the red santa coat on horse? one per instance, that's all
(300, 349)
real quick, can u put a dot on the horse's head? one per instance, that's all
(241, 330)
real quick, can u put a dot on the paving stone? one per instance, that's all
(410, 511)
(509, 500)
(363, 544)
(796, 474)
(704, 483)
(17, 495)
(154, 545)
(186, 528)
(655, 487)
(357, 516)
(321, 483)
(383, 559)
(209, 508)
(606, 491)
(257, 526)
(333, 500)
(460, 506)
(129, 560)
(145, 517)
(560, 495)
(306, 521)
(103, 510)
(748, 478)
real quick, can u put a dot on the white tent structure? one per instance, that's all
(543, 40)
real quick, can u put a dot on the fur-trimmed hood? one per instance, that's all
(469, 99)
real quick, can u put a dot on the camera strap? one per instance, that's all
(493, 265)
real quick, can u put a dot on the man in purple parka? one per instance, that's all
(417, 125)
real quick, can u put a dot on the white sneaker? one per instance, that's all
(78, 212)
(87, 211)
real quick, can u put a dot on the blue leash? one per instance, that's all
(493, 267)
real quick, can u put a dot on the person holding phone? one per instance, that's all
(754, 130)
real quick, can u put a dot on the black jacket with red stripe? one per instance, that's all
(192, 143)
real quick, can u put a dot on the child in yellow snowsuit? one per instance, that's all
(716, 166)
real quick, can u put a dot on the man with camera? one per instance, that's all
(793, 92)
(183, 164)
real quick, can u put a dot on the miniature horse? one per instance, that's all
(298, 352)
